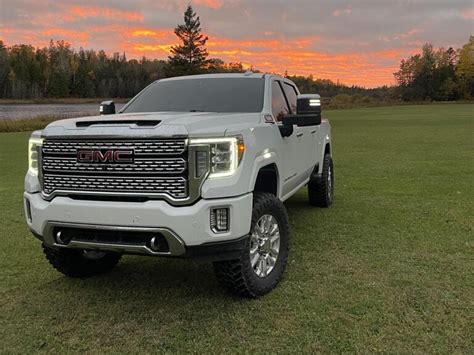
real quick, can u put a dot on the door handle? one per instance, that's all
(313, 131)
(299, 134)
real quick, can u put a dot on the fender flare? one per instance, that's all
(261, 161)
(326, 141)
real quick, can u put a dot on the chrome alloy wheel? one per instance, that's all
(330, 182)
(264, 245)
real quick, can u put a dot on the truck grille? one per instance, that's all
(145, 147)
(145, 166)
(157, 167)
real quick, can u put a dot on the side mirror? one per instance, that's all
(308, 104)
(107, 108)
(308, 112)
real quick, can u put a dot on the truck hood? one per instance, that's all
(157, 124)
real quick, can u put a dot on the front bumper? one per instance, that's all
(187, 228)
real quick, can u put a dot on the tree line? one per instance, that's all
(60, 71)
(437, 75)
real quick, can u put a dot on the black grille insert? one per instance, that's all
(113, 237)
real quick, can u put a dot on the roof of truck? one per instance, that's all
(247, 74)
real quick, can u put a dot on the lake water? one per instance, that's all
(28, 111)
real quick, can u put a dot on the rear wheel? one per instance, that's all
(80, 263)
(265, 255)
(321, 188)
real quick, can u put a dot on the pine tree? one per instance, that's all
(190, 57)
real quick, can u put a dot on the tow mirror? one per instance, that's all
(107, 108)
(309, 104)
(308, 110)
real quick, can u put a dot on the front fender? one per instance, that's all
(264, 159)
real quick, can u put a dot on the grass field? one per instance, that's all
(390, 267)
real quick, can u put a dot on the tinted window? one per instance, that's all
(207, 95)
(291, 96)
(279, 106)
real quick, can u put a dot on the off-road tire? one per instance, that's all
(320, 190)
(74, 263)
(238, 276)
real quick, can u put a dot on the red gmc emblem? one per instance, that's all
(103, 156)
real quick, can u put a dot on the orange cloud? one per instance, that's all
(296, 56)
(468, 14)
(152, 48)
(60, 33)
(143, 32)
(259, 44)
(213, 4)
(20, 36)
(85, 12)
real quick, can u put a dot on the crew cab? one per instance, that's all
(195, 166)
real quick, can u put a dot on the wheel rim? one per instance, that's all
(329, 182)
(264, 245)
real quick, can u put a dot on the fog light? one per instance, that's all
(220, 220)
(62, 237)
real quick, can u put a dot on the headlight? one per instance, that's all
(225, 155)
(34, 145)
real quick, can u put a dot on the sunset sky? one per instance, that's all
(355, 42)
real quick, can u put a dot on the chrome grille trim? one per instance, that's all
(141, 166)
(173, 181)
(174, 186)
(141, 146)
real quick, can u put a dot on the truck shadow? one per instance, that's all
(141, 278)
(139, 285)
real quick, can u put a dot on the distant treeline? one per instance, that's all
(432, 75)
(59, 71)
(342, 96)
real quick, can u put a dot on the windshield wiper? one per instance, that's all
(197, 111)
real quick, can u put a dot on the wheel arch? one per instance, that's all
(267, 180)
(326, 145)
(327, 148)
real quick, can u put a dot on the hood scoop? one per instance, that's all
(139, 123)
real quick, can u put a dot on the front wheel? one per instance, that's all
(80, 263)
(265, 255)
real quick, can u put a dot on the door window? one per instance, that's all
(291, 95)
(279, 105)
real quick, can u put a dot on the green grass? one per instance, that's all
(389, 268)
(26, 125)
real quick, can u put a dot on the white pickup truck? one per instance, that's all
(195, 166)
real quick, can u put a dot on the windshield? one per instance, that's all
(201, 95)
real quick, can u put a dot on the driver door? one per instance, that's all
(291, 148)
(307, 134)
